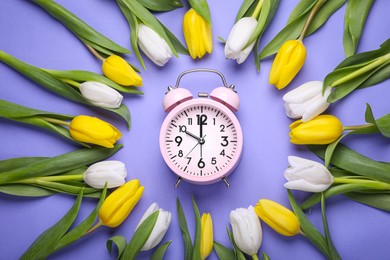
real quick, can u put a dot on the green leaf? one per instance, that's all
(333, 251)
(184, 231)
(161, 5)
(64, 188)
(140, 237)
(82, 76)
(369, 116)
(380, 75)
(238, 255)
(246, 4)
(58, 164)
(355, 17)
(354, 162)
(160, 251)
(148, 19)
(380, 201)
(223, 252)
(120, 243)
(330, 149)
(198, 231)
(25, 190)
(295, 25)
(79, 27)
(44, 244)
(14, 163)
(179, 47)
(202, 8)
(308, 229)
(46, 80)
(383, 124)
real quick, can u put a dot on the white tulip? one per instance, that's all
(247, 231)
(306, 101)
(155, 47)
(159, 229)
(100, 94)
(238, 39)
(112, 172)
(307, 175)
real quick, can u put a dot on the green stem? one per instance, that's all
(257, 10)
(71, 82)
(313, 12)
(356, 127)
(95, 53)
(377, 185)
(74, 177)
(376, 63)
(255, 257)
(56, 121)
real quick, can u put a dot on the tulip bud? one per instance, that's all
(93, 130)
(207, 237)
(307, 175)
(120, 203)
(247, 231)
(155, 47)
(111, 172)
(323, 129)
(279, 218)
(160, 228)
(288, 62)
(100, 94)
(306, 101)
(119, 71)
(238, 39)
(197, 33)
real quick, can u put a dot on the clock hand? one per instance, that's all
(191, 150)
(192, 135)
(201, 142)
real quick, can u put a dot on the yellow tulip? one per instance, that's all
(279, 218)
(197, 33)
(207, 237)
(120, 203)
(119, 71)
(93, 130)
(288, 62)
(323, 129)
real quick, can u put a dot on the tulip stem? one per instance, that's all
(56, 121)
(257, 10)
(376, 63)
(96, 226)
(356, 127)
(313, 12)
(378, 185)
(255, 257)
(71, 82)
(74, 177)
(95, 53)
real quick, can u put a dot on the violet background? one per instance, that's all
(30, 34)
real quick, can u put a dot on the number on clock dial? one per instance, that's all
(201, 140)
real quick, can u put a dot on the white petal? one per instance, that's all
(304, 92)
(152, 208)
(100, 94)
(316, 106)
(159, 230)
(303, 185)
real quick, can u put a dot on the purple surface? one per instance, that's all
(27, 32)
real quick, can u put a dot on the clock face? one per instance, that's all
(201, 141)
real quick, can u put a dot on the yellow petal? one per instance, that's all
(279, 218)
(120, 71)
(207, 236)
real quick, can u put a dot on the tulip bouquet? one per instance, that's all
(99, 45)
(149, 232)
(197, 29)
(252, 20)
(149, 34)
(80, 86)
(359, 71)
(111, 212)
(65, 173)
(81, 129)
(204, 236)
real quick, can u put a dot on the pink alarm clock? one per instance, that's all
(201, 139)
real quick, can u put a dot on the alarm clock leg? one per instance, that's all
(177, 182)
(226, 182)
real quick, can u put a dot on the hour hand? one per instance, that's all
(193, 136)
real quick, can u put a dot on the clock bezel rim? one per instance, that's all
(223, 172)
